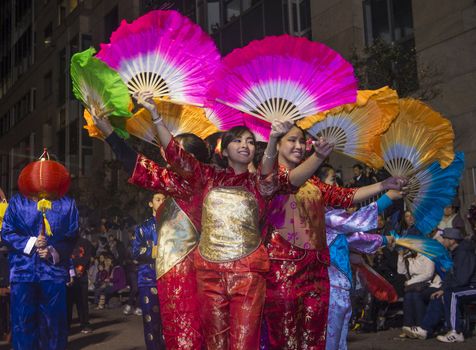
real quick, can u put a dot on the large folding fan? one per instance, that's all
(179, 119)
(166, 53)
(100, 89)
(431, 189)
(284, 78)
(418, 137)
(355, 128)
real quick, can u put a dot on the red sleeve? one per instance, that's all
(149, 175)
(187, 165)
(335, 196)
(284, 183)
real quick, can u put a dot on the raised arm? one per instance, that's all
(366, 192)
(299, 175)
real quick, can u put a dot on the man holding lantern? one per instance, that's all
(40, 228)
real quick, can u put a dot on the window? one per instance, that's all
(48, 34)
(61, 11)
(232, 10)
(47, 84)
(111, 21)
(62, 77)
(252, 25)
(213, 15)
(72, 5)
(388, 20)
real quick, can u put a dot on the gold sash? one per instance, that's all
(177, 236)
(230, 229)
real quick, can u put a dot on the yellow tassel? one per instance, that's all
(47, 226)
(3, 209)
(44, 205)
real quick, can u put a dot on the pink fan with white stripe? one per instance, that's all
(225, 118)
(166, 53)
(284, 78)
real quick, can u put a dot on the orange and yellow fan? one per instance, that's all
(355, 128)
(179, 119)
(418, 137)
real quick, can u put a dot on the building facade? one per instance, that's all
(442, 35)
(38, 38)
(37, 108)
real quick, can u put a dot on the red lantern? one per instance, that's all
(44, 179)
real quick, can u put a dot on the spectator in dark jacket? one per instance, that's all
(459, 286)
(78, 290)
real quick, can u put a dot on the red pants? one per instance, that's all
(231, 298)
(177, 291)
(297, 296)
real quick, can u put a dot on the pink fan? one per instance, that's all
(222, 116)
(225, 118)
(163, 52)
(284, 78)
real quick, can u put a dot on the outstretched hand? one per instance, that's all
(145, 99)
(103, 123)
(322, 147)
(395, 183)
(279, 128)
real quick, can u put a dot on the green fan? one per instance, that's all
(100, 89)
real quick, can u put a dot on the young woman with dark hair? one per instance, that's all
(297, 296)
(177, 237)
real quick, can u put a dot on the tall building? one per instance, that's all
(37, 108)
(38, 38)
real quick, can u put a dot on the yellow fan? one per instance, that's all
(355, 128)
(179, 119)
(418, 137)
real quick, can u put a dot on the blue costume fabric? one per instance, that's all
(38, 286)
(145, 237)
(342, 235)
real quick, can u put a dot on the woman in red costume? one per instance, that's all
(297, 296)
(177, 237)
(231, 260)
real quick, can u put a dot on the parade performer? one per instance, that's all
(144, 250)
(177, 237)
(297, 296)
(342, 234)
(40, 228)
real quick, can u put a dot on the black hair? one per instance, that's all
(323, 171)
(357, 165)
(260, 147)
(195, 146)
(294, 126)
(227, 138)
(212, 141)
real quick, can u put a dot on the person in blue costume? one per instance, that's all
(39, 265)
(344, 231)
(143, 244)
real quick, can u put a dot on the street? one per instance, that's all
(114, 331)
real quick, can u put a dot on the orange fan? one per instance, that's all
(355, 128)
(179, 119)
(418, 137)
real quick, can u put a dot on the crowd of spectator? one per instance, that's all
(102, 271)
